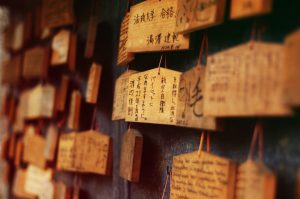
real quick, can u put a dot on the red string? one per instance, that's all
(204, 41)
(61, 122)
(257, 135)
(208, 142)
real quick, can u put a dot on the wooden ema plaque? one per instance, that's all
(92, 30)
(74, 111)
(21, 112)
(120, 95)
(255, 180)
(61, 94)
(93, 83)
(47, 191)
(131, 155)
(19, 185)
(37, 179)
(124, 57)
(41, 102)
(152, 96)
(86, 152)
(245, 8)
(290, 76)
(151, 27)
(36, 63)
(34, 146)
(205, 176)
(199, 14)
(57, 13)
(244, 81)
(190, 101)
(18, 36)
(51, 143)
(11, 70)
(18, 153)
(61, 191)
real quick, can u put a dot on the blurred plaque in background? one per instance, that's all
(93, 83)
(74, 111)
(11, 70)
(247, 8)
(61, 94)
(19, 185)
(51, 142)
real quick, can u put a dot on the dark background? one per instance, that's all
(161, 143)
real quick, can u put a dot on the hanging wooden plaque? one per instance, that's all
(47, 190)
(57, 13)
(92, 30)
(41, 102)
(51, 143)
(85, 152)
(245, 8)
(190, 101)
(120, 95)
(36, 179)
(18, 36)
(244, 81)
(292, 62)
(12, 146)
(11, 70)
(199, 14)
(74, 111)
(131, 155)
(93, 83)
(36, 63)
(124, 57)
(152, 96)
(255, 180)
(205, 176)
(61, 47)
(61, 191)
(21, 112)
(152, 25)
(34, 146)
(61, 94)
(19, 185)
(18, 153)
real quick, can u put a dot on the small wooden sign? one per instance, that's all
(244, 81)
(51, 142)
(120, 95)
(57, 13)
(205, 176)
(152, 25)
(18, 36)
(41, 102)
(34, 146)
(36, 179)
(19, 185)
(74, 111)
(131, 155)
(292, 62)
(246, 8)
(152, 96)
(18, 153)
(255, 180)
(124, 57)
(11, 70)
(61, 94)
(36, 63)
(190, 101)
(92, 30)
(88, 151)
(199, 14)
(93, 83)
(62, 191)
(21, 112)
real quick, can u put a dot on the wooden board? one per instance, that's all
(88, 151)
(18, 189)
(92, 30)
(255, 180)
(51, 142)
(34, 146)
(291, 75)
(245, 8)
(206, 176)
(244, 81)
(190, 101)
(60, 47)
(120, 95)
(11, 70)
(57, 13)
(41, 102)
(131, 155)
(47, 190)
(36, 179)
(152, 96)
(61, 94)
(18, 153)
(152, 25)
(124, 57)
(199, 14)
(74, 111)
(93, 83)
(36, 63)
(62, 191)
(21, 112)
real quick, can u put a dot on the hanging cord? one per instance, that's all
(169, 173)
(160, 63)
(202, 141)
(257, 137)
(94, 125)
(204, 42)
(61, 122)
